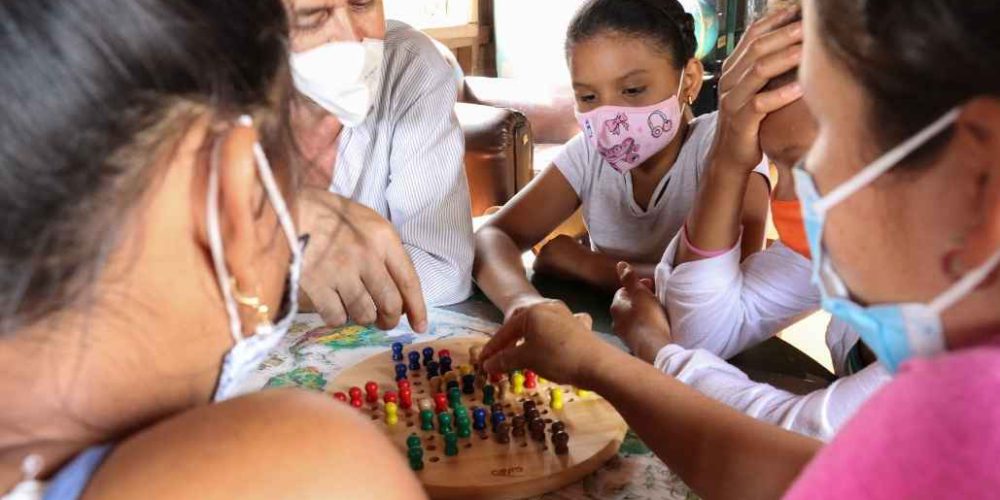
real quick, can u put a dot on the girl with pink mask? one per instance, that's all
(634, 169)
(719, 306)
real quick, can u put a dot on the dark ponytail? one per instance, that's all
(93, 93)
(915, 60)
(664, 22)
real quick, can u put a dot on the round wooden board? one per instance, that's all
(485, 469)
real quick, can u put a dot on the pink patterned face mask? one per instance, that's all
(625, 137)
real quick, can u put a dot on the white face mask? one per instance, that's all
(248, 352)
(342, 77)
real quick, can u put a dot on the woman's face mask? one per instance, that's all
(894, 332)
(248, 352)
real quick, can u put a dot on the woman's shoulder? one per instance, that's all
(268, 445)
(936, 411)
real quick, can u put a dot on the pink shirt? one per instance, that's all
(933, 432)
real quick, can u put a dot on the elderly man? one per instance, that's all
(376, 120)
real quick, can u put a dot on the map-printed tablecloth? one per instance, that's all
(313, 354)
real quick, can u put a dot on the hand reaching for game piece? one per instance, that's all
(557, 344)
(355, 266)
(638, 317)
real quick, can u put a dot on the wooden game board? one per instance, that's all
(484, 468)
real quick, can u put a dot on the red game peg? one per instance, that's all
(440, 403)
(339, 396)
(405, 399)
(530, 379)
(390, 397)
(372, 389)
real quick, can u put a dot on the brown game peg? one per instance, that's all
(560, 441)
(532, 414)
(557, 427)
(537, 428)
(503, 433)
(519, 424)
(436, 384)
(529, 404)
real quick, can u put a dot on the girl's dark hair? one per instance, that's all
(94, 92)
(663, 21)
(916, 60)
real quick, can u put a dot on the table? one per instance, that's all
(313, 354)
(774, 362)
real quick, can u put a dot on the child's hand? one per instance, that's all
(765, 52)
(556, 344)
(561, 258)
(638, 318)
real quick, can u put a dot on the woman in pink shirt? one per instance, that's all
(901, 202)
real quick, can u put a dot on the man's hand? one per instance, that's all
(638, 318)
(355, 266)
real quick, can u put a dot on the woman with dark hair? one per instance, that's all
(901, 202)
(149, 259)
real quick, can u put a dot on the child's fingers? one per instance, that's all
(758, 29)
(586, 319)
(771, 21)
(648, 283)
(629, 279)
(757, 77)
(759, 49)
(768, 102)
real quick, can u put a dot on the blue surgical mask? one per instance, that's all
(894, 332)
(248, 352)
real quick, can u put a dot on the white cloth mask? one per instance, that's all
(342, 77)
(248, 352)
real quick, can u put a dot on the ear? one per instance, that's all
(240, 197)
(694, 78)
(979, 123)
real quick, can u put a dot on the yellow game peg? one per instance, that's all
(465, 369)
(517, 383)
(582, 393)
(391, 413)
(556, 398)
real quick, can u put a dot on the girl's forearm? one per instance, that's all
(499, 271)
(714, 223)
